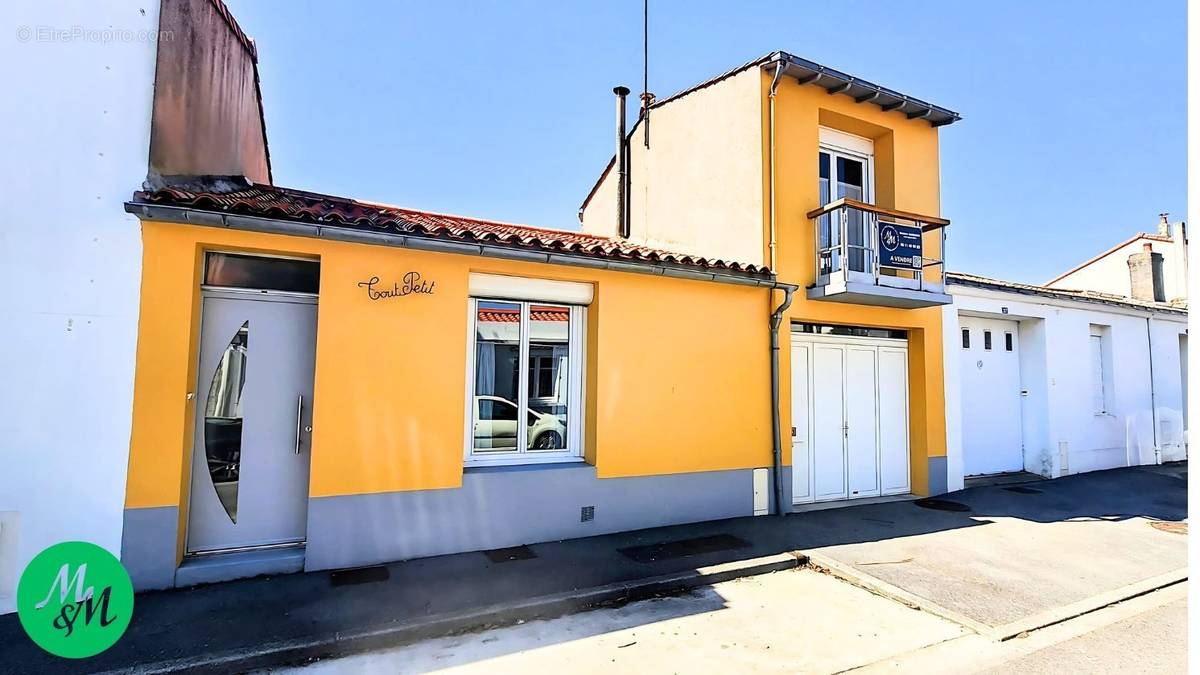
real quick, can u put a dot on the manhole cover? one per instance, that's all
(1022, 490)
(361, 575)
(1168, 526)
(942, 505)
(500, 555)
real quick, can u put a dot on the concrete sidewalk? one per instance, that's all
(1014, 555)
(1026, 556)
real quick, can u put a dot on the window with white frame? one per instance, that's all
(1101, 367)
(845, 170)
(524, 382)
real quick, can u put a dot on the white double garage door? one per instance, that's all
(850, 411)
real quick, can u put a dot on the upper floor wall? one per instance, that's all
(890, 160)
(704, 186)
(698, 188)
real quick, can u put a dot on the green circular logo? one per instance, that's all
(75, 599)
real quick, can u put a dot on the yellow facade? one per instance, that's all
(676, 379)
(906, 178)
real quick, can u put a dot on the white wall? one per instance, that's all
(75, 130)
(953, 384)
(699, 188)
(1055, 369)
(1110, 274)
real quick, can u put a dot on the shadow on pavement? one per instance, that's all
(248, 614)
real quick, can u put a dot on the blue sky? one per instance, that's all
(1073, 134)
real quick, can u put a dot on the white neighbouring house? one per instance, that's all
(1109, 272)
(1056, 382)
(111, 94)
(77, 135)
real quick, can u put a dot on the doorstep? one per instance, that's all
(215, 567)
(843, 503)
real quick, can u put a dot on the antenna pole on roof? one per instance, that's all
(647, 97)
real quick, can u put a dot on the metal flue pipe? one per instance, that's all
(621, 164)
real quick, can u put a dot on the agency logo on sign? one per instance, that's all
(75, 600)
(890, 237)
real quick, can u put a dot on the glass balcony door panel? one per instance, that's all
(828, 226)
(851, 183)
(844, 175)
(548, 365)
(497, 380)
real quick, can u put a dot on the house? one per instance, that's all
(1087, 372)
(831, 182)
(1162, 256)
(442, 383)
(1056, 382)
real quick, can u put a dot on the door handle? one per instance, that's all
(299, 418)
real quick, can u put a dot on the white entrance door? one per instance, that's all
(850, 411)
(250, 463)
(991, 396)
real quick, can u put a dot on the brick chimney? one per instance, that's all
(1146, 275)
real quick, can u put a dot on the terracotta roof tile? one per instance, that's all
(281, 203)
(536, 313)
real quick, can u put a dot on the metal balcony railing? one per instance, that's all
(860, 243)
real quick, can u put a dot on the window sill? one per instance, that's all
(558, 460)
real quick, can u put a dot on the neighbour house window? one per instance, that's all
(966, 338)
(1008, 342)
(525, 382)
(987, 340)
(1101, 366)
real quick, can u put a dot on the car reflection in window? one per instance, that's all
(496, 426)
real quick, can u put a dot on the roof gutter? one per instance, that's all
(187, 216)
(952, 279)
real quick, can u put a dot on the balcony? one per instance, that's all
(869, 255)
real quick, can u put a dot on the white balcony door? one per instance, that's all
(850, 411)
(845, 170)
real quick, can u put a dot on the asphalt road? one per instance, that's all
(797, 621)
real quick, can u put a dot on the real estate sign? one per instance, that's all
(899, 246)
